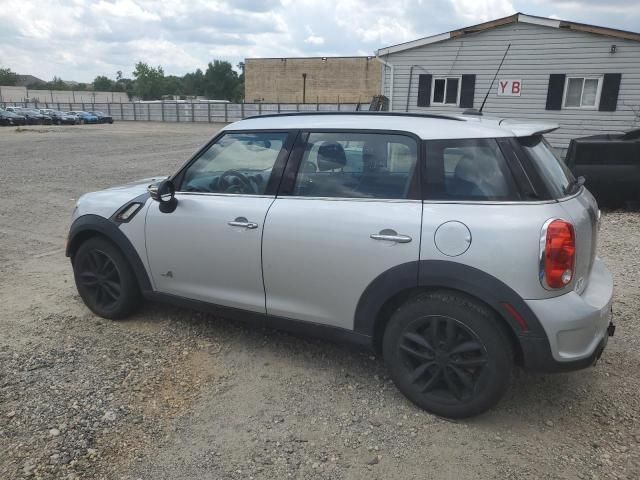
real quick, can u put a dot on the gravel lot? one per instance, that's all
(175, 394)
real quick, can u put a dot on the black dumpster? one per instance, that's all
(610, 165)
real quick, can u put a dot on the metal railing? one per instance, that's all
(190, 112)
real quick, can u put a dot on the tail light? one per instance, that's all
(557, 254)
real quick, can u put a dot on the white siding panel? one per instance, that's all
(536, 51)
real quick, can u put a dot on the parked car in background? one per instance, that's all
(8, 118)
(610, 165)
(454, 246)
(63, 118)
(85, 117)
(103, 117)
(34, 117)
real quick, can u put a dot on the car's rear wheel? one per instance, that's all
(448, 354)
(105, 280)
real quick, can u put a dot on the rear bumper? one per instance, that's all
(577, 326)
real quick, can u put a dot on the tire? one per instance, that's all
(105, 280)
(448, 354)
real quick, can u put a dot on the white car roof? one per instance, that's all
(426, 127)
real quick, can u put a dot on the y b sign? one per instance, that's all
(509, 88)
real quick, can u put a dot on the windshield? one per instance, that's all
(554, 172)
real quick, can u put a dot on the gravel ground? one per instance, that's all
(175, 394)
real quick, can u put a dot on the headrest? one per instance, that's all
(331, 156)
(484, 173)
(467, 169)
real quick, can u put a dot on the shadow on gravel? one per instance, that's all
(530, 397)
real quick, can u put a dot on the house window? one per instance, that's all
(582, 92)
(445, 91)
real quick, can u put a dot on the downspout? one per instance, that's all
(391, 66)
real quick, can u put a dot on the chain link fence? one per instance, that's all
(190, 112)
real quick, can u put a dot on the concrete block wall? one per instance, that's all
(328, 79)
(20, 94)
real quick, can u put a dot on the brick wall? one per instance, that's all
(329, 80)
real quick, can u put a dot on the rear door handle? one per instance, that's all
(391, 236)
(243, 223)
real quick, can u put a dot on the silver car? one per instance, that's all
(454, 246)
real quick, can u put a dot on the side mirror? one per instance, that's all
(165, 194)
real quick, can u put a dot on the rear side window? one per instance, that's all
(357, 165)
(555, 174)
(468, 169)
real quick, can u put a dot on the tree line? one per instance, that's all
(218, 82)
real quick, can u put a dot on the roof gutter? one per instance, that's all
(391, 66)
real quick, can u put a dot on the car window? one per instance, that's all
(467, 169)
(356, 165)
(554, 172)
(236, 163)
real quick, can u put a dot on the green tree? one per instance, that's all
(149, 81)
(193, 83)
(102, 83)
(220, 81)
(7, 77)
(57, 84)
(173, 85)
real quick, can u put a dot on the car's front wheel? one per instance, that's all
(448, 354)
(105, 280)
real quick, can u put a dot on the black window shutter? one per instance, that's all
(555, 91)
(467, 91)
(609, 94)
(424, 90)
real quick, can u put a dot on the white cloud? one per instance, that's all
(474, 11)
(80, 39)
(314, 40)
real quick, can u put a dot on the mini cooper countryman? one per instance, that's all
(454, 246)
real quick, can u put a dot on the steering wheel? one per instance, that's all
(228, 185)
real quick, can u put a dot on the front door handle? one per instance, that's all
(243, 223)
(391, 236)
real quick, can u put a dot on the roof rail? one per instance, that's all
(363, 113)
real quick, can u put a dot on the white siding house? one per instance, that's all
(585, 78)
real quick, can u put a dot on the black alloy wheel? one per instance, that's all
(104, 279)
(444, 358)
(448, 353)
(99, 275)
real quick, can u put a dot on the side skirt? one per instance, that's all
(261, 320)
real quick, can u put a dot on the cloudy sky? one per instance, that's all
(79, 39)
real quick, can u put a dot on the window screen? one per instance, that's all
(356, 165)
(581, 92)
(452, 90)
(469, 169)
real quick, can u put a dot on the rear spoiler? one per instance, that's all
(528, 129)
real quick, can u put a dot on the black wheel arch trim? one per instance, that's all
(87, 224)
(454, 276)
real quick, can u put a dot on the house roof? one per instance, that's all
(515, 18)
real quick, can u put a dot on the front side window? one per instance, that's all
(239, 163)
(446, 91)
(357, 165)
(468, 169)
(582, 92)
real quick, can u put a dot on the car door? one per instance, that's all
(208, 248)
(349, 209)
